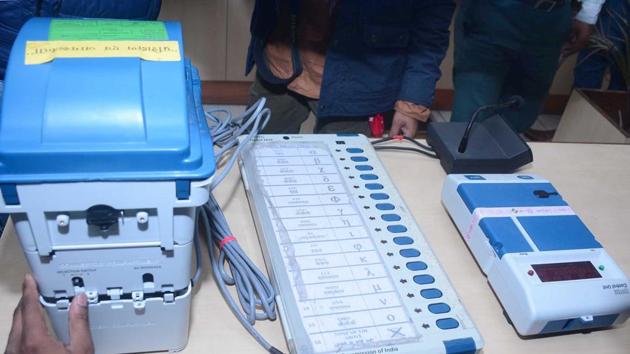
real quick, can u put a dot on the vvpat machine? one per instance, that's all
(101, 154)
(547, 269)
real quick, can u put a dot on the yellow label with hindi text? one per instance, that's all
(39, 52)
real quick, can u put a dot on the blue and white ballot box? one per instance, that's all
(103, 140)
(547, 269)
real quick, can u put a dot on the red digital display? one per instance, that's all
(566, 271)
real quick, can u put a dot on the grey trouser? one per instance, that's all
(289, 110)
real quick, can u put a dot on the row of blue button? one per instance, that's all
(426, 279)
(422, 279)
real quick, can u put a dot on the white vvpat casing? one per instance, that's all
(535, 306)
(103, 162)
(119, 326)
(136, 273)
(41, 205)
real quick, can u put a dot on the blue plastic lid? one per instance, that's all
(96, 119)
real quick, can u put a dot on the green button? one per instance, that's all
(601, 267)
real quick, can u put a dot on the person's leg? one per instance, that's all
(479, 73)
(515, 53)
(589, 70)
(591, 67)
(334, 125)
(615, 26)
(534, 57)
(357, 125)
(288, 110)
(617, 81)
(530, 77)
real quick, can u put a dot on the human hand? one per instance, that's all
(29, 333)
(402, 124)
(580, 35)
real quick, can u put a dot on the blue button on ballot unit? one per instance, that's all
(103, 163)
(352, 270)
(545, 266)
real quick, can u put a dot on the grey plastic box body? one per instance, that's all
(136, 273)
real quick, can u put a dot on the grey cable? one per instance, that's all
(255, 294)
(226, 134)
(229, 262)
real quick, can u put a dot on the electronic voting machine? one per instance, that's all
(98, 158)
(547, 269)
(352, 270)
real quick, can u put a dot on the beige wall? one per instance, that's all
(216, 35)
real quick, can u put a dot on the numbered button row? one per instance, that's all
(421, 279)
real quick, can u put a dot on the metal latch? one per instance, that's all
(102, 216)
(169, 298)
(168, 294)
(78, 284)
(62, 304)
(92, 296)
(61, 300)
(138, 300)
(114, 293)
